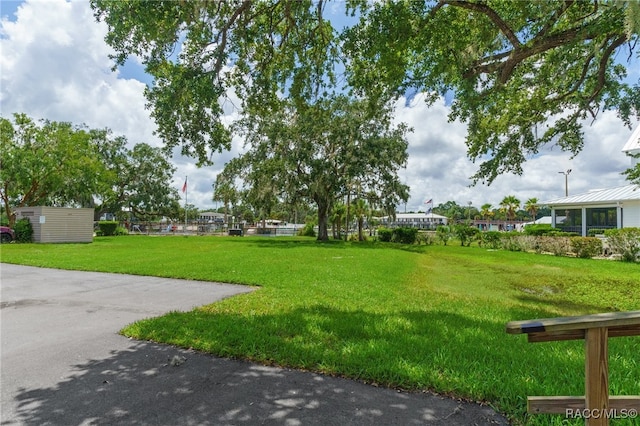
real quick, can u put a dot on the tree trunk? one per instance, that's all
(323, 215)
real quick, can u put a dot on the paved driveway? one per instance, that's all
(63, 363)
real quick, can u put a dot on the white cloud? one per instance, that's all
(55, 65)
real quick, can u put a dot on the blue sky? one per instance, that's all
(55, 65)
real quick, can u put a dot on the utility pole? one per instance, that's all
(566, 182)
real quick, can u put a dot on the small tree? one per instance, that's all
(625, 242)
(444, 234)
(465, 233)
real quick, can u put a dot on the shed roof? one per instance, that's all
(601, 196)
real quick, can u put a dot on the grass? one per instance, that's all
(407, 317)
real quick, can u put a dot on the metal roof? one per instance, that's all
(634, 141)
(601, 196)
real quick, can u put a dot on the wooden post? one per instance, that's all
(596, 407)
(596, 377)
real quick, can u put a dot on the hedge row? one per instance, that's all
(624, 243)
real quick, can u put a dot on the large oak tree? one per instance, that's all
(522, 74)
(46, 163)
(324, 153)
(59, 164)
(198, 51)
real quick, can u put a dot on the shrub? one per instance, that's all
(121, 230)
(405, 235)
(593, 232)
(558, 245)
(465, 233)
(560, 233)
(516, 241)
(443, 233)
(356, 238)
(538, 229)
(527, 242)
(625, 242)
(511, 241)
(428, 238)
(23, 230)
(307, 231)
(385, 234)
(491, 239)
(108, 227)
(586, 247)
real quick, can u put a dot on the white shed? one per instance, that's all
(59, 224)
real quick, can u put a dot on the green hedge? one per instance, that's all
(491, 239)
(385, 235)
(23, 230)
(586, 247)
(108, 227)
(538, 229)
(398, 235)
(405, 235)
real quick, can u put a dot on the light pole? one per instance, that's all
(566, 182)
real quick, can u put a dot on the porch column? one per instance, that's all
(553, 217)
(619, 216)
(584, 221)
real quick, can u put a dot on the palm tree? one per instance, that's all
(360, 210)
(338, 214)
(225, 191)
(510, 204)
(531, 206)
(485, 211)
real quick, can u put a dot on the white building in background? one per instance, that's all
(617, 207)
(414, 220)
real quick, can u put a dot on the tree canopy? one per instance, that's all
(522, 75)
(198, 51)
(322, 153)
(60, 164)
(47, 163)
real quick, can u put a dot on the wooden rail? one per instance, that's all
(596, 406)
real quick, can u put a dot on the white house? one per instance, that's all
(617, 207)
(415, 220)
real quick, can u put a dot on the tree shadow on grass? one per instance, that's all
(151, 384)
(438, 350)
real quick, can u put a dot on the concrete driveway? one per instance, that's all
(63, 363)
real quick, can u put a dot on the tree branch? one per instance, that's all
(576, 86)
(602, 70)
(554, 18)
(492, 15)
(222, 35)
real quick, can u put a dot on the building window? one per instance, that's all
(602, 217)
(569, 220)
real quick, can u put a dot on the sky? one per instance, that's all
(54, 64)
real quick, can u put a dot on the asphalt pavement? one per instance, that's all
(63, 362)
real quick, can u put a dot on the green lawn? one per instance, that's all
(428, 317)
